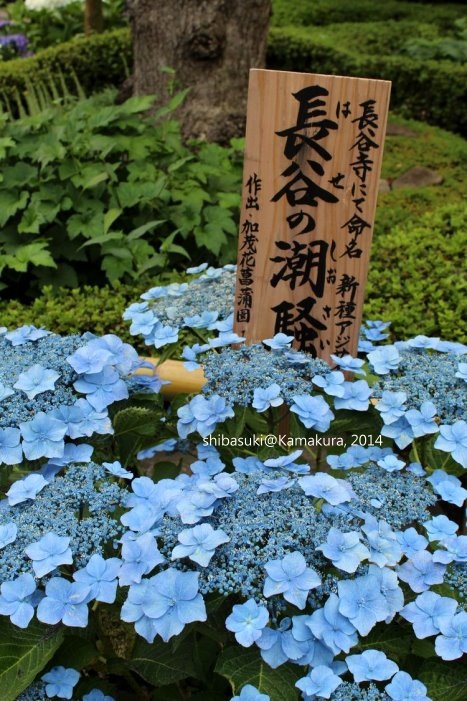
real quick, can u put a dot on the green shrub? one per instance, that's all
(432, 91)
(321, 12)
(87, 308)
(97, 61)
(417, 276)
(91, 186)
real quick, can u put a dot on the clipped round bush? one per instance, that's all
(417, 275)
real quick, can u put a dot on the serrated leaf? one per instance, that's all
(24, 653)
(445, 681)
(34, 253)
(242, 667)
(131, 426)
(10, 203)
(160, 664)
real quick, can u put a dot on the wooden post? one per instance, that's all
(313, 152)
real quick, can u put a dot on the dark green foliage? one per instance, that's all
(417, 276)
(433, 91)
(322, 12)
(98, 61)
(93, 190)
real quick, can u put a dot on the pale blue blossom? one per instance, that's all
(320, 681)
(452, 643)
(404, 688)
(349, 364)
(427, 612)
(11, 452)
(48, 553)
(371, 665)
(64, 601)
(453, 439)
(325, 486)
(247, 622)
(17, 599)
(290, 577)
(356, 396)
(199, 543)
(27, 488)
(268, 397)
(43, 436)
(332, 383)
(313, 412)
(421, 571)
(384, 359)
(279, 342)
(345, 550)
(60, 681)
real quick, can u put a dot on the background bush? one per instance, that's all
(417, 277)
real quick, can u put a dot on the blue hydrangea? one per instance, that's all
(45, 373)
(290, 577)
(58, 509)
(17, 600)
(60, 681)
(371, 665)
(453, 440)
(234, 373)
(250, 693)
(427, 612)
(403, 687)
(247, 622)
(164, 604)
(427, 376)
(452, 642)
(320, 681)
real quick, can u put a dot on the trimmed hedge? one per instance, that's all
(417, 277)
(98, 60)
(87, 308)
(432, 91)
(322, 12)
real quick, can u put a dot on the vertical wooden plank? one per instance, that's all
(313, 155)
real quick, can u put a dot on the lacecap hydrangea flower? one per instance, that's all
(56, 389)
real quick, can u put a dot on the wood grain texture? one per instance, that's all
(303, 250)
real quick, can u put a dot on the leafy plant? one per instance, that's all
(91, 187)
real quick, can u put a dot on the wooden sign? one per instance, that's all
(314, 145)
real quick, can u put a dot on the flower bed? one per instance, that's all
(305, 542)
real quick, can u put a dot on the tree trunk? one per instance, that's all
(93, 17)
(211, 45)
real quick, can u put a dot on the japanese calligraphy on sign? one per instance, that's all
(313, 156)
